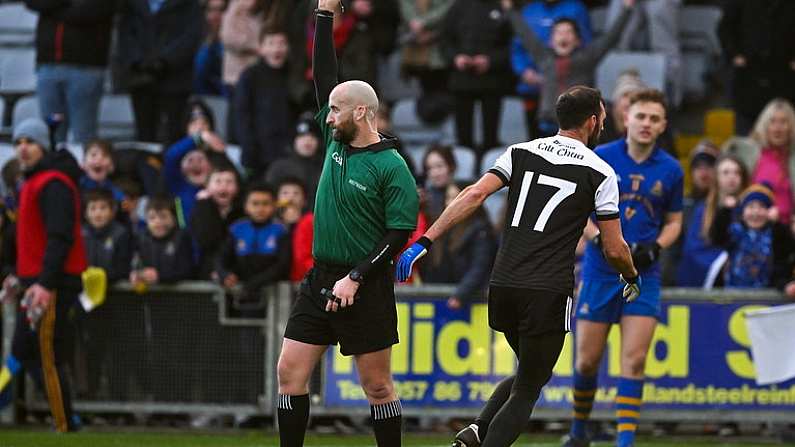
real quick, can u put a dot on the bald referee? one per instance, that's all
(365, 210)
(554, 184)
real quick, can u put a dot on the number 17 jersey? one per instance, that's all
(554, 185)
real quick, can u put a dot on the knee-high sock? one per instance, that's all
(537, 356)
(498, 398)
(293, 414)
(387, 423)
(584, 392)
(630, 392)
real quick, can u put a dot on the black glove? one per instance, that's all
(644, 254)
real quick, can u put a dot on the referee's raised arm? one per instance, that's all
(324, 59)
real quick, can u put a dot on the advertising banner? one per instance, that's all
(699, 359)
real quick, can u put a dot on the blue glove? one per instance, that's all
(410, 256)
(631, 287)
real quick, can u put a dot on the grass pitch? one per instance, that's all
(29, 438)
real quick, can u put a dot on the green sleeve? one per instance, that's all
(325, 130)
(400, 195)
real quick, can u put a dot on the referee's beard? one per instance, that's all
(345, 132)
(593, 139)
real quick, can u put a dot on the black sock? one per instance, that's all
(501, 393)
(387, 423)
(293, 417)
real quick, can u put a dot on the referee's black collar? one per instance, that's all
(387, 142)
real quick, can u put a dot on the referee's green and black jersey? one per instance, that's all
(363, 192)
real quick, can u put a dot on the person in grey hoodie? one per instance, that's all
(564, 63)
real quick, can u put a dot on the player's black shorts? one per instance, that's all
(369, 325)
(528, 311)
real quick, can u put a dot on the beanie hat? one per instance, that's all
(34, 129)
(705, 153)
(758, 191)
(307, 125)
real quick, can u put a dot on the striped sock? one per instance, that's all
(387, 423)
(293, 415)
(584, 392)
(630, 392)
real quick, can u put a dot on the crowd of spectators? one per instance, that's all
(190, 213)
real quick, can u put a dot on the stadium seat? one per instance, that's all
(512, 121)
(495, 206)
(155, 148)
(487, 162)
(18, 72)
(466, 160)
(220, 108)
(76, 150)
(651, 67)
(411, 130)
(116, 118)
(416, 153)
(17, 25)
(392, 87)
(235, 154)
(3, 118)
(719, 125)
(25, 107)
(698, 28)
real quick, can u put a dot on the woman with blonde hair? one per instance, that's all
(771, 155)
(701, 260)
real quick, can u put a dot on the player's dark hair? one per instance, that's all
(648, 95)
(446, 152)
(99, 195)
(262, 187)
(571, 22)
(290, 180)
(576, 105)
(11, 173)
(104, 146)
(161, 203)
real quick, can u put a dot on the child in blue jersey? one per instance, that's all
(650, 186)
(257, 251)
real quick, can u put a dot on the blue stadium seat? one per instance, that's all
(155, 148)
(512, 121)
(466, 160)
(235, 154)
(17, 25)
(407, 124)
(220, 108)
(487, 162)
(598, 20)
(495, 206)
(116, 119)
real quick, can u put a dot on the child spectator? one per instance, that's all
(108, 244)
(212, 216)
(290, 201)
(759, 247)
(262, 105)
(566, 63)
(98, 166)
(257, 251)
(187, 163)
(164, 252)
(304, 162)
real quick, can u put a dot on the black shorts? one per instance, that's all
(528, 311)
(369, 325)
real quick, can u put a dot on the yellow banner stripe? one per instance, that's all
(578, 415)
(627, 427)
(627, 414)
(628, 400)
(590, 393)
(51, 382)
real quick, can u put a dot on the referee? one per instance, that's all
(554, 185)
(365, 210)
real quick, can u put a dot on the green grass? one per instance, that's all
(30, 438)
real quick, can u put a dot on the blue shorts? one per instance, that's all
(601, 301)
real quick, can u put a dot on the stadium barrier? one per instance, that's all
(188, 349)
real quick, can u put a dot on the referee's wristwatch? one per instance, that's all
(356, 275)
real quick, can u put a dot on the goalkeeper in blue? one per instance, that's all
(650, 205)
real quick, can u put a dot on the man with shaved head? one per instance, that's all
(366, 208)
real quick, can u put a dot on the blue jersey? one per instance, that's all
(648, 191)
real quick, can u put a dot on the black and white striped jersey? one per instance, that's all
(554, 184)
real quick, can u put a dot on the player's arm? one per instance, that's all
(615, 247)
(324, 67)
(466, 203)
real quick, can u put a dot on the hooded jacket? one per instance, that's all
(67, 28)
(49, 238)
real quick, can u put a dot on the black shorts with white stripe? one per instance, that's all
(529, 311)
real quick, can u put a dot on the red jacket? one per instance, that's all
(32, 231)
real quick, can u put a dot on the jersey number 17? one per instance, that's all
(565, 189)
